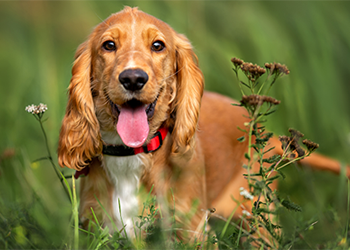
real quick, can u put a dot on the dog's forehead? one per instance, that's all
(134, 18)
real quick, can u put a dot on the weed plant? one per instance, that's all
(262, 221)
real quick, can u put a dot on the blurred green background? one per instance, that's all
(38, 40)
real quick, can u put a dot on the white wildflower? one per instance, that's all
(42, 107)
(246, 213)
(30, 108)
(39, 109)
(245, 193)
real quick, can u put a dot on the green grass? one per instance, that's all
(38, 40)
(35, 215)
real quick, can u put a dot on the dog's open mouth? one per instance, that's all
(132, 125)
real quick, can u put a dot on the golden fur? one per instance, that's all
(200, 159)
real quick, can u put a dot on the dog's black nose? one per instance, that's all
(133, 79)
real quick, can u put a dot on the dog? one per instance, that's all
(138, 118)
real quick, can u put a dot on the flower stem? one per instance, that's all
(50, 156)
(239, 83)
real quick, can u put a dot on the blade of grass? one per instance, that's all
(223, 231)
(105, 211)
(121, 219)
(75, 215)
(149, 194)
(95, 218)
(67, 189)
(239, 234)
(136, 237)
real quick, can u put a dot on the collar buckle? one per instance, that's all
(154, 143)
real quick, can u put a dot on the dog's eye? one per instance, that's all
(109, 45)
(158, 46)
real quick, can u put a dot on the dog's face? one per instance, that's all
(133, 75)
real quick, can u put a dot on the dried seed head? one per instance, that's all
(283, 69)
(300, 151)
(254, 69)
(252, 100)
(236, 61)
(284, 140)
(255, 100)
(311, 146)
(277, 68)
(268, 65)
(261, 70)
(271, 100)
(295, 133)
(246, 66)
(293, 144)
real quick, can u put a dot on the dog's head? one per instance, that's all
(133, 75)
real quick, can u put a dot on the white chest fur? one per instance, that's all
(125, 173)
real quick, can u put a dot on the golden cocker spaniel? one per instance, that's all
(137, 117)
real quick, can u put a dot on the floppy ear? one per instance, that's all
(79, 139)
(189, 91)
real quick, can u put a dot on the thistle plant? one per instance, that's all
(255, 87)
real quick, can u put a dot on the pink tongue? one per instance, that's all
(132, 126)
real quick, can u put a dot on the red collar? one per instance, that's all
(119, 150)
